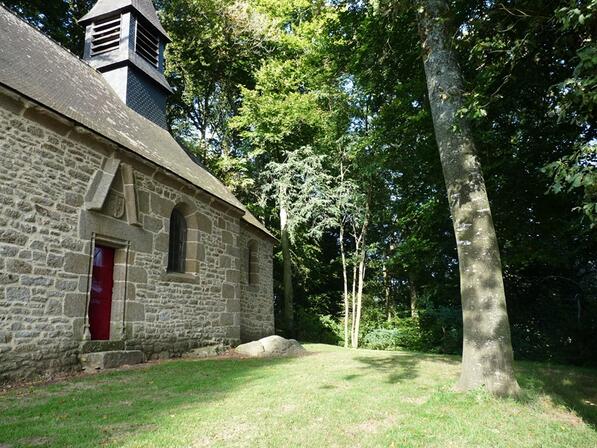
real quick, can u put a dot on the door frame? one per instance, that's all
(119, 287)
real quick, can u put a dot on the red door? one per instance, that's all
(100, 304)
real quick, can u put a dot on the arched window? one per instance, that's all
(178, 242)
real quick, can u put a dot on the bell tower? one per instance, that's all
(125, 41)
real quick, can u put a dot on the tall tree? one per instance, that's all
(217, 46)
(290, 109)
(302, 184)
(487, 349)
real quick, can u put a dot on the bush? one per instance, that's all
(434, 330)
(406, 334)
(443, 330)
(311, 327)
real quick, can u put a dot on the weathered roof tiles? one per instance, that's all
(41, 70)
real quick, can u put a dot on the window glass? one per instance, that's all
(178, 242)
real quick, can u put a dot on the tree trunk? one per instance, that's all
(357, 318)
(345, 280)
(386, 287)
(487, 348)
(413, 295)
(361, 253)
(354, 291)
(287, 274)
(354, 304)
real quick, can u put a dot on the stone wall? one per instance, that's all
(257, 288)
(51, 176)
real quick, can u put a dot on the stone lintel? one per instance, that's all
(91, 222)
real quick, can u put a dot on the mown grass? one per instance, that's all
(333, 397)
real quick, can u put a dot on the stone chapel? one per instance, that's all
(113, 239)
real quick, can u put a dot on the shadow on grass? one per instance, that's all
(95, 410)
(402, 366)
(572, 387)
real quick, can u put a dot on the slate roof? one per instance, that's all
(143, 7)
(40, 69)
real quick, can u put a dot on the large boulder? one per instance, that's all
(253, 349)
(271, 346)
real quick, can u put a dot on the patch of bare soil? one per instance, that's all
(373, 426)
(560, 414)
(35, 441)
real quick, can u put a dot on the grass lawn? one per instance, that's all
(333, 397)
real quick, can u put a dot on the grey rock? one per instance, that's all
(271, 346)
(279, 346)
(253, 349)
(18, 294)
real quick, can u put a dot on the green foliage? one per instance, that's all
(442, 328)
(216, 48)
(406, 336)
(433, 330)
(578, 172)
(577, 103)
(327, 100)
(313, 327)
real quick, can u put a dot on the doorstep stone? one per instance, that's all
(110, 360)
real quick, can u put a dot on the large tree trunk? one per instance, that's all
(487, 349)
(287, 274)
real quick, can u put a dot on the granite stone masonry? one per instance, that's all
(46, 236)
(256, 305)
(96, 202)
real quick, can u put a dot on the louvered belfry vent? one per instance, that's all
(147, 45)
(105, 35)
(125, 42)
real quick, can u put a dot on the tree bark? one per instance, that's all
(354, 303)
(413, 295)
(386, 287)
(359, 308)
(487, 348)
(287, 274)
(345, 280)
(361, 253)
